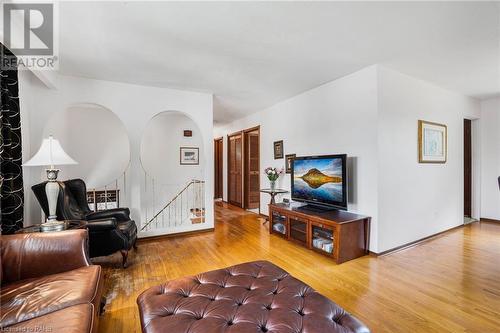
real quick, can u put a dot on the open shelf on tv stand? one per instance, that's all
(350, 232)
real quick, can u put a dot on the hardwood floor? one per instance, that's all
(448, 284)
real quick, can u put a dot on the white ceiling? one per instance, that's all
(251, 55)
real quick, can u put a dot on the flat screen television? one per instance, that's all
(320, 181)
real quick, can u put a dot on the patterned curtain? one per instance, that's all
(11, 173)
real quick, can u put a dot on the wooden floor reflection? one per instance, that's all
(448, 284)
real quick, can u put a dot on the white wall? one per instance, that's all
(135, 105)
(372, 116)
(99, 143)
(490, 150)
(417, 200)
(337, 117)
(160, 154)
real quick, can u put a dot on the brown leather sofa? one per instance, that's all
(48, 283)
(251, 297)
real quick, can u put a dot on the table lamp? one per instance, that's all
(51, 154)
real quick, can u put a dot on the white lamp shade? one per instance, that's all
(50, 153)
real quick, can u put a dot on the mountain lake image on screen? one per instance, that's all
(318, 179)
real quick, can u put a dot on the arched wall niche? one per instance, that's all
(96, 138)
(160, 148)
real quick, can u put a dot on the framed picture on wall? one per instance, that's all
(432, 142)
(278, 149)
(288, 162)
(190, 156)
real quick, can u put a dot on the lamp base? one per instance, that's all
(52, 226)
(52, 192)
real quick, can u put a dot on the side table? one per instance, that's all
(68, 225)
(272, 193)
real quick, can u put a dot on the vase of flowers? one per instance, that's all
(273, 174)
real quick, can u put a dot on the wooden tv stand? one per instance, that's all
(338, 234)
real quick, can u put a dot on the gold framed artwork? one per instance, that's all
(432, 142)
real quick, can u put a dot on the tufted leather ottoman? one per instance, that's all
(251, 297)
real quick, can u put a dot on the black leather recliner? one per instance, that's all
(110, 230)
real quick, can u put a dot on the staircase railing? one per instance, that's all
(111, 195)
(187, 203)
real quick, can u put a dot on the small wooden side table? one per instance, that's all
(68, 225)
(272, 193)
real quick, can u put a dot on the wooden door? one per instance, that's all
(234, 170)
(467, 168)
(252, 170)
(218, 143)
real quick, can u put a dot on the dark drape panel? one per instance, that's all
(11, 173)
